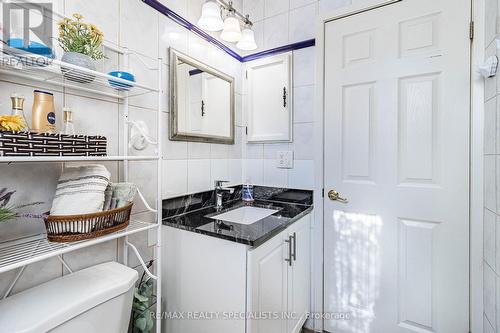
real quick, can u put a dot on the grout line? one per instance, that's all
(496, 214)
(489, 99)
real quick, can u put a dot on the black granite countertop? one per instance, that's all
(193, 213)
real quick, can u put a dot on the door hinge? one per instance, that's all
(471, 30)
(322, 192)
(246, 74)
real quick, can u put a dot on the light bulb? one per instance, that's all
(247, 41)
(210, 19)
(231, 31)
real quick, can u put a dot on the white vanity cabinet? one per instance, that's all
(213, 285)
(269, 108)
(279, 280)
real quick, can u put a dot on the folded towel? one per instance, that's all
(108, 194)
(80, 190)
(123, 194)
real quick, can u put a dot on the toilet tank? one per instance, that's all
(95, 299)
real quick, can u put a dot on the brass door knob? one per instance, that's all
(335, 196)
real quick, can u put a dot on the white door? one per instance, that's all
(270, 99)
(267, 282)
(299, 274)
(216, 109)
(396, 146)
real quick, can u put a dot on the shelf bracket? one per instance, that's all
(148, 207)
(146, 270)
(13, 283)
(64, 264)
(19, 274)
(139, 57)
(21, 271)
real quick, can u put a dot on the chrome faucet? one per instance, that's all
(219, 189)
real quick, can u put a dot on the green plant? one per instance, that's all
(142, 316)
(78, 36)
(9, 212)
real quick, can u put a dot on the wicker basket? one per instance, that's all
(72, 228)
(46, 144)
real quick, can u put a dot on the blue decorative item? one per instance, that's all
(33, 47)
(18, 49)
(121, 75)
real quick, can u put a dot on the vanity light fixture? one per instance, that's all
(211, 19)
(247, 41)
(232, 30)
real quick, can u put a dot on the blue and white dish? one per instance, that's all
(121, 75)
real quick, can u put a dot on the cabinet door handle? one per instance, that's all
(289, 259)
(284, 97)
(202, 108)
(294, 253)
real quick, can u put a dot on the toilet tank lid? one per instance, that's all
(50, 304)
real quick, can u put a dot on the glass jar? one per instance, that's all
(18, 109)
(69, 127)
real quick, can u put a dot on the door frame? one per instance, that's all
(475, 161)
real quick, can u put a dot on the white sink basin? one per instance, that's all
(244, 215)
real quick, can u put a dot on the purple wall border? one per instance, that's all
(193, 28)
(281, 49)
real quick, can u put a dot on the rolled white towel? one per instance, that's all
(80, 190)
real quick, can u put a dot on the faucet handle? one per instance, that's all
(218, 183)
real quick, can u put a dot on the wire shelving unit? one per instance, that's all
(17, 254)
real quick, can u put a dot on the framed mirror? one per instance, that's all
(201, 101)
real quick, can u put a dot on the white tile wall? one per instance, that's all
(255, 9)
(490, 128)
(97, 11)
(138, 27)
(274, 34)
(490, 295)
(489, 238)
(273, 7)
(284, 22)
(491, 219)
(198, 175)
(302, 23)
(174, 178)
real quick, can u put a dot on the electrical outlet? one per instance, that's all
(285, 159)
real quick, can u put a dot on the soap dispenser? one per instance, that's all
(247, 192)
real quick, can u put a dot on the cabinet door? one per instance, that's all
(267, 282)
(270, 99)
(299, 274)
